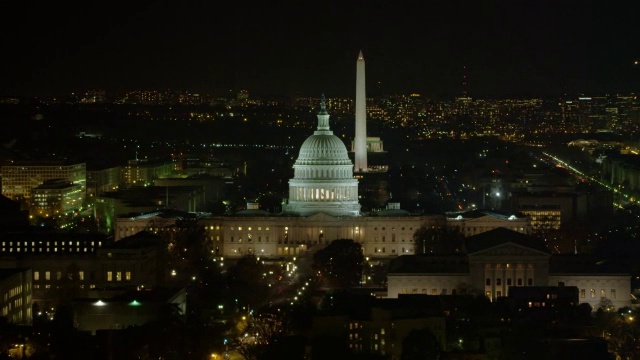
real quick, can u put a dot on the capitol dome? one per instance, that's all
(323, 175)
(321, 149)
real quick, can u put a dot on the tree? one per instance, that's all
(340, 263)
(437, 240)
(246, 282)
(253, 336)
(420, 344)
(166, 334)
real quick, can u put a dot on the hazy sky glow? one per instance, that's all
(299, 47)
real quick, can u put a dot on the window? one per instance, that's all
(127, 275)
(36, 275)
(81, 275)
(519, 281)
(499, 282)
(58, 275)
(613, 293)
(487, 282)
(498, 293)
(487, 294)
(109, 276)
(603, 293)
(119, 276)
(434, 291)
(582, 293)
(508, 281)
(593, 293)
(530, 282)
(47, 275)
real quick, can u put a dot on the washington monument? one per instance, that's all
(360, 141)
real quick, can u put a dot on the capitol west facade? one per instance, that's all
(322, 206)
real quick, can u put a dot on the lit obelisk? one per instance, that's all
(360, 141)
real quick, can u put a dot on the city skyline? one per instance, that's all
(290, 48)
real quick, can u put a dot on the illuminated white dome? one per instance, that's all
(322, 149)
(323, 175)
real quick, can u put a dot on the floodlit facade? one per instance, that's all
(19, 179)
(323, 206)
(57, 198)
(500, 259)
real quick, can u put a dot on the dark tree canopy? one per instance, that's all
(420, 344)
(340, 263)
(437, 240)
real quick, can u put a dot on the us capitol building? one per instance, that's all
(322, 206)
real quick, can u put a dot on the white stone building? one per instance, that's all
(499, 259)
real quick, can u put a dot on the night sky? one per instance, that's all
(285, 47)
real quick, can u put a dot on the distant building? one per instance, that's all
(213, 187)
(68, 265)
(544, 296)
(478, 221)
(57, 198)
(15, 295)
(323, 206)
(143, 200)
(142, 172)
(130, 308)
(553, 200)
(156, 222)
(498, 260)
(380, 327)
(105, 179)
(19, 178)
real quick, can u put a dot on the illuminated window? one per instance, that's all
(119, 276)
(109, 276)
(47, 275)
(127, 275)
(36, 275)
(582, 293)
(81, 275)
(593, 293)
(603, 293)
